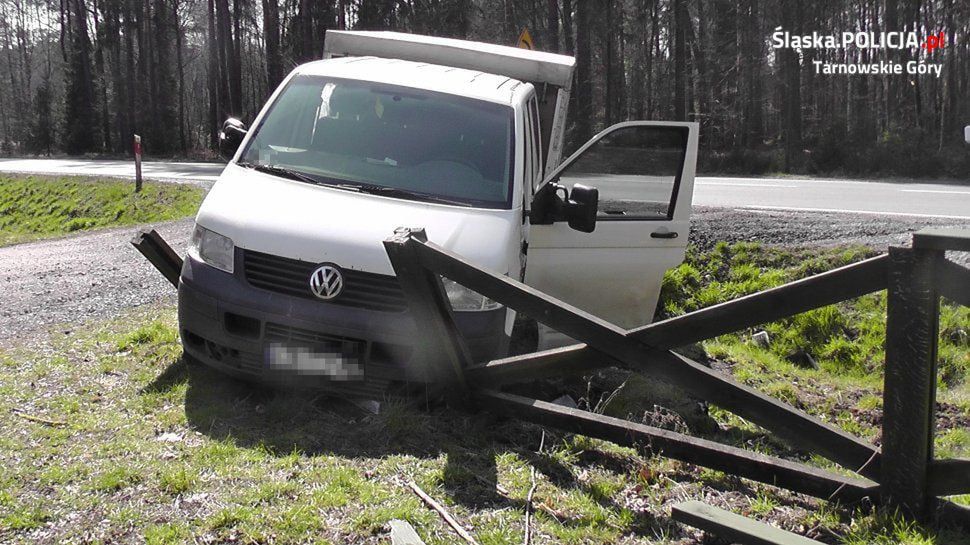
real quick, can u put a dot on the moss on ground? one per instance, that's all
(36, 207)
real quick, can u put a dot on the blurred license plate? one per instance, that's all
(339, 360)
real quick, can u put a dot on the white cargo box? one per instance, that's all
(522, 64)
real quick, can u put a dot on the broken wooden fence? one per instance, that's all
(902, 475)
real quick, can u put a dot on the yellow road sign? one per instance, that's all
(525, 40)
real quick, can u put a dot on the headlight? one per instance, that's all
(464, 299)
(212, 248)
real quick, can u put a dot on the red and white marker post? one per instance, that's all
(137, 149)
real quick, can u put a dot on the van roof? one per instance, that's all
(431, 77)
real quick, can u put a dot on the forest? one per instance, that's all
(83, 76)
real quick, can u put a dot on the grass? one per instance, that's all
(844, 339)
(155, 451)
(39, 207)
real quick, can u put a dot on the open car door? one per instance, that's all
(644, 174)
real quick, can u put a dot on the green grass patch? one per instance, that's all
(843, 339)
(155, 451)
(37, 207)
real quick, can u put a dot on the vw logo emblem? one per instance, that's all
(326, 282)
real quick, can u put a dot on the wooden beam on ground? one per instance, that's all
(909, 392)
(441, 345)
(949, 477)
(954, 282)
(801, 429)
(160, 254)
(816, 291)
(750, 465)
(734, 528)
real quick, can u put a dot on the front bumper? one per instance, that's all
(234, 327)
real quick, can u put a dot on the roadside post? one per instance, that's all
(137, 149)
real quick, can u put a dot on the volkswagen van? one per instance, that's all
(287, 279)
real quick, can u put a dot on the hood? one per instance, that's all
(318, 224)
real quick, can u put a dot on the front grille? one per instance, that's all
(296, 335)
(292, 277)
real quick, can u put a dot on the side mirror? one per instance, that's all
(230, 137)
(553, 202)
(581, 208)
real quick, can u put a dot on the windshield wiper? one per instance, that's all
(373, 189)
(407, 194)
(284, 172)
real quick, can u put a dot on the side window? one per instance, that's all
(636, 169)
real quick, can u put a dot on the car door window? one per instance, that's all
(636, 168)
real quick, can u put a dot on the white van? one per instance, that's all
(287, 275)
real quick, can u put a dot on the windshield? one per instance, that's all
(396, 141)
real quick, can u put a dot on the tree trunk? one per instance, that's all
(180, 67)
(215, 94)
(567, 26)
(583, 89)
(680, 60)
(271, 32)
(552, 26)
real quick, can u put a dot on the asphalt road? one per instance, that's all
(927, 200)
(169, 171)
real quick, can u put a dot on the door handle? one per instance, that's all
(663, 234)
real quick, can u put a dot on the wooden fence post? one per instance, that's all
(137, 150)
(912, 331)
(440, 343)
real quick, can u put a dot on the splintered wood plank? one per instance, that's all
(160, 254)
(734, 527)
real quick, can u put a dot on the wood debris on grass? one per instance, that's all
(38, 419)
(455, 525)
(527, 539)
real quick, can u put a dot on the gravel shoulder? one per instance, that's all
(75, 279)
(63, 282)
(824, 229)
